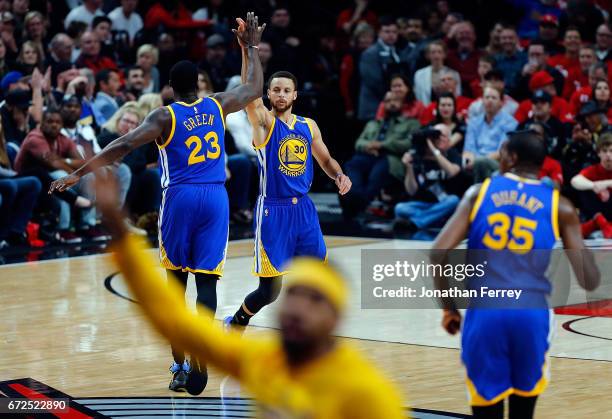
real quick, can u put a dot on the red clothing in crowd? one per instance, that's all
(35, 147)
(413, 109)
(467, 68)
(579, 97)
(462, 104)
(347, 68)
(559, 109)
(582, 95)
(96, 64)
(346, 15)
(574, 81)
(596, 172)
(476, 88)
(181, 19)
(551, 168)
(563, 63)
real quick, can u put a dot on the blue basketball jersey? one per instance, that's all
(285, 159)
(514, 222)
(194, 152)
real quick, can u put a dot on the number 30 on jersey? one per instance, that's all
(195, 145)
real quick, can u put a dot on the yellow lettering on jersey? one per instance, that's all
(200, 120)
(530, 203)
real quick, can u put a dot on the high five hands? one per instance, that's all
(249, 33)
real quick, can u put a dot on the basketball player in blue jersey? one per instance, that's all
(286, 221)
(194, 214)
(515, 217)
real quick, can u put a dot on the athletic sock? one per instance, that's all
(241, 317)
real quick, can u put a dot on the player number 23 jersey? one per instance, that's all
(194, 152)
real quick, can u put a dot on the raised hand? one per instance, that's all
(249, 33)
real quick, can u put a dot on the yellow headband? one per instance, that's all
(316, 274)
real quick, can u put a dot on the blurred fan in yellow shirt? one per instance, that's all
(303, 372)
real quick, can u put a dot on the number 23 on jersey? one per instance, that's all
(197, 155)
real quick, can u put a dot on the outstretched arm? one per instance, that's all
(329, 165)
(237, 98)
(581, 258)
(261, 119)
(155, 125)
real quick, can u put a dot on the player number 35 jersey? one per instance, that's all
(194, 152)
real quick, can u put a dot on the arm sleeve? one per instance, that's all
(589, 172)
(366, 135)
(187, 330)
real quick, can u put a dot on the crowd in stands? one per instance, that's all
(414, 98)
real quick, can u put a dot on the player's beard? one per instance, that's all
(298, 351)
(282, 108)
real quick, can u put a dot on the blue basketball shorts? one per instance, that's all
(194, 227)
(505, 351)
(285, 228)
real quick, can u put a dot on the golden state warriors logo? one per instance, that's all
(293, 155)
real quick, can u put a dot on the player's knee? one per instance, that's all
(269, 288)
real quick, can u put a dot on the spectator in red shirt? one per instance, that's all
(401, 88)
(559, 107)
(172, 14)
(597, 73)
(565, 62)
(447, 84)
(465, 58)
(90, 54)
(46, 148)
(579, 77)
(596, 183)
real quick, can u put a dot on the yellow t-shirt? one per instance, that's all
(340, 384)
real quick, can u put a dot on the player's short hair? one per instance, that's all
(283, 75)
(184, 77)
(529, 149)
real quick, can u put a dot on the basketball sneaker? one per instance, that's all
(180, 374)
(229, 324)
(197, 378)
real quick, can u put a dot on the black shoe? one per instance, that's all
(198, 378)
(180, 375)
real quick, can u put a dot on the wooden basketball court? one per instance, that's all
(70, 324)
